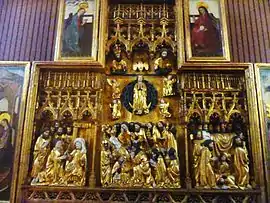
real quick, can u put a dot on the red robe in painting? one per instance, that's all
(204, 35)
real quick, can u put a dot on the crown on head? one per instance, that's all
(83, 5)
(202, 4)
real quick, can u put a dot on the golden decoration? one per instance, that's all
(5, 116)
(202, 4)
(83, 5)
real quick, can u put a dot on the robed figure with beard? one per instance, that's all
(207, 177)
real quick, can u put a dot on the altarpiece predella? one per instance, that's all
(140, 124)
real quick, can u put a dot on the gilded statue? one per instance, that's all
(140, 105)
(225, 178)
(142, 175)
(68, 137)
(139, 132)
(116, 93)
(164, 109)
(114, 139)
(121, 172)
(54, 169)
(241, 164)
(223, 139)
(168, 86)
(161, 171)
(105, 164)
(75, 168)
(173, 170)
(41, 152)
(118, 65)
(197, 148)
(124, 135)
(162, 65)
(166, 138)
(59, 135)
(206, 176)
(116, 109)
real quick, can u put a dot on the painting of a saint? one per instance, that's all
(206, 30)
(205, 35)
(77, 22)
(13, 83)
(265, 89)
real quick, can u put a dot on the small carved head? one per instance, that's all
(117, 51)
(164, 53)
(46, 133)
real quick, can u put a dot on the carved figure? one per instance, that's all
(164, 109)
(142, 171)
(241, 162)
(121, 172)
(54, 170)
(140, 105)
(124, 136)
(168, 83)
(173, 170)
(162, 65)
(116, 109)
(116, 93)
(75, 169)
(119, 65)
(197, 147)
(105, 164)
(41, 152)
(225, 179)
(161, 171)
(206, 175)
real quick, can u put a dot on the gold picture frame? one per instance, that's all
(210, 21)
(103, 31)
(262, 72)
(14, 85)
(77, 23)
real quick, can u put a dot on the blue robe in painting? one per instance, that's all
(72, 34)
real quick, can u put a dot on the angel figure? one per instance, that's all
(116, 109)
(164, 109)
(116, 93)
(168, 83)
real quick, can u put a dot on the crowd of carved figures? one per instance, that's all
(59, 155)
(217, 114)
(220, 157)
(59, 158)
(140, 155)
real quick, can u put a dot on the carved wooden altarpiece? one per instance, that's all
(141, 125)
